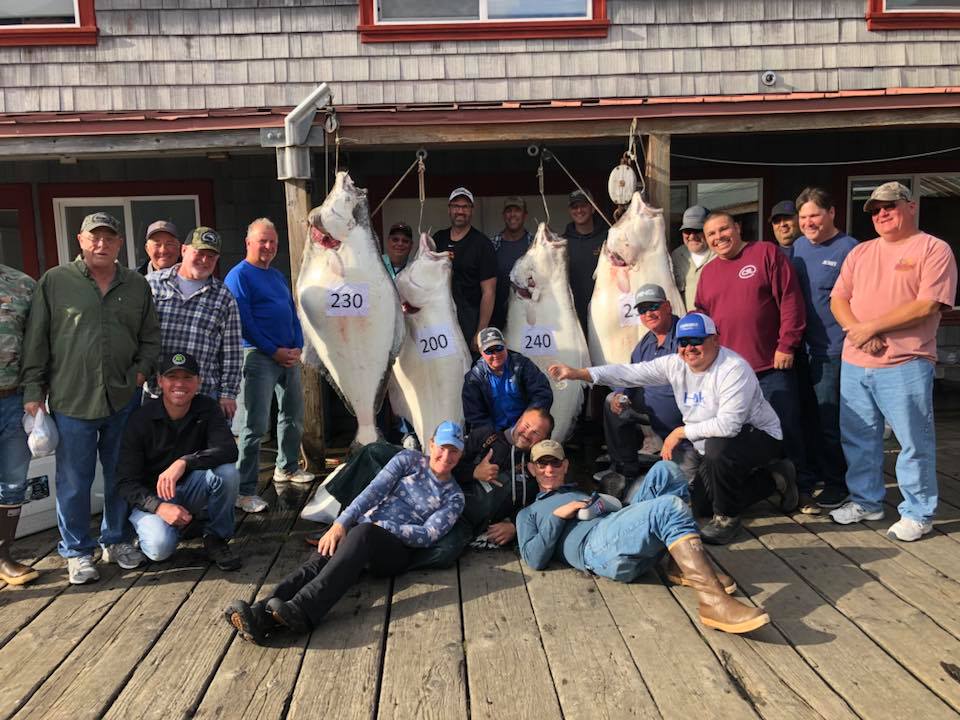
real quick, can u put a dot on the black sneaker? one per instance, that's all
(287, 615)
(720, 530)
(785, 476)
(832, 497)
(219, 552)
(247, 620)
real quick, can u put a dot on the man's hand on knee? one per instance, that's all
(168, 479)
(331, 538)
(502, 532)
(173, 514)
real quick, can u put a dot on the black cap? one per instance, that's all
(402, 228)
(784, 207)
(179, 361)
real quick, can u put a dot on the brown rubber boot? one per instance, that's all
(12, 572)
(676, 577)
(717, 609)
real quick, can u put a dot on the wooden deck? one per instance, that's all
(862, 627)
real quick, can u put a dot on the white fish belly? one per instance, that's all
(612, 324)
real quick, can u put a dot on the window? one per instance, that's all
(411, 20)
(741, 198)
(18, 240)
(47, 22)
(937, 197)
(912, 14)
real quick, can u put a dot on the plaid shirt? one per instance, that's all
(206, 325)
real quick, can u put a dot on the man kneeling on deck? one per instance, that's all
(624, 544)
(411, 503)
(177, 460)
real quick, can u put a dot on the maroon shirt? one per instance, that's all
(756, 302)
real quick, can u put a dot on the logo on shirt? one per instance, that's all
(747, 272)
(693, 398)
(831, 263)
(905, 264)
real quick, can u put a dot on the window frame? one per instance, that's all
(371, 31)
(693, 195)
(19, 198)
(879, 18)
(83, 32)
(916, 178)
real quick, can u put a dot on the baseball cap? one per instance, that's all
(578, 196)
(489, 337)
(461, 192)
(649, 293)
(179, 361)
(402, 228)
(98, 220)
(888, 192)
(547, 448)
(784, 207)
(204, 238)
(162, 226)
(449, 433)
(515, 201)
(693, 217)
(695, 325)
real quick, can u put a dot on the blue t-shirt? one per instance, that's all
(818, 267)
(657, 401)
(267, 313)
(508, 403)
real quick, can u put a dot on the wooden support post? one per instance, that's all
(657, 152)
(313, 443)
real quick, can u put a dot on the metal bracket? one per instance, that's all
(294, 140)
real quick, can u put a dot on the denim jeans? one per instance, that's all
(779, 387)
(80, 442)
(903, 394)
(213, 490)
(819, 379)
(262, 377)
(625, 544)
(14, 453)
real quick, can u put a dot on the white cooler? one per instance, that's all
(40, 511)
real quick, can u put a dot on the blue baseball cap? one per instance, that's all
(695, 325)
(449, 433)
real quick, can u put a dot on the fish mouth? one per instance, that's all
(324, 240)
(523, 292)
(617, 260)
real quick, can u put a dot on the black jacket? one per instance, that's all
(152, 441)
(477, 397)
(512, 462)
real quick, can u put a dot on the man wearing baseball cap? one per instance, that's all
(474, 283)
(199, 315)
(624, 544)
(784, 220)
(177, 460)
(396, 249)
(92, 339)
(888, 299)
(734, 430)
(162, 246)
(692, 255)
(509, 244)
(585, 237)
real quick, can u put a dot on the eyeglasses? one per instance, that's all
(648, 307)
(691, 341)
(551, 461)
(493, 350)
(875, 210)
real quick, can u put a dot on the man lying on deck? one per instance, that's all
(623, 545)
(412, 503)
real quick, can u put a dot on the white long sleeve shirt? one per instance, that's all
(717, 402)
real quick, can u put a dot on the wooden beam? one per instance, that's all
(313, 442)
(657, 172)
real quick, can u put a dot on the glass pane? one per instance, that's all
(740, 198)
(182, 213)
(37, 12)
(859, 224)
(939, 198)
(679, 201)
(74, 216)
(922, 5)
(511, 9)
(414, 10)
(11, 251)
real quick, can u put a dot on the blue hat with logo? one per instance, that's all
(695, 325)
(449, 433)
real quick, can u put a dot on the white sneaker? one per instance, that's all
(123, 554)
(251, 503)
(852, 512)
(82, 570)
(908, 530)
(297, 476)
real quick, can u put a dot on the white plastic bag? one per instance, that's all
(42, 435)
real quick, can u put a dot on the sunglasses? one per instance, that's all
(648, 307)
(691, 341)
(493, 350)
(551, 461)
(875, 210)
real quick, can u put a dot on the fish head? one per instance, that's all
(544, 262)
(426, 275)
(345, 209)
(638, 232)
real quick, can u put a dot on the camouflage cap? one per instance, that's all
(888, 192)
(204, 238)
(98, 220)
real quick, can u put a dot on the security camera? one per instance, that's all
(768, 78)
(533, 150)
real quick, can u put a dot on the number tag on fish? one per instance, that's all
(435, 341)
(538, 340)
(349, 300)
(627, 310)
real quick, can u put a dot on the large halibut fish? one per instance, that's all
(634, 254)
(427, 378)
(542, 322)
(352, 322)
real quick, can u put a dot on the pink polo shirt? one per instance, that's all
(879, 276)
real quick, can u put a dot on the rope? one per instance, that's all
(574, 181)
(397, 184)
(817, 164)
(632, 154)
(421, 170)
(543, 195)
(336, 167)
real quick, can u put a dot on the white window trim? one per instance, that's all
(50, 26)
(693, 199)
(915, 10)
(63, 234)
(913, 177)
(483, 13)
